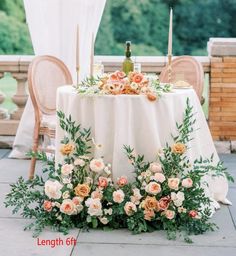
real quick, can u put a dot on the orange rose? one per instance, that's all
(150, 203)
(137, 78)
(178, 148)
(164, 203)
(151, 96)
(149, 214)
(47, 206)
(82, 190)
(66, 149)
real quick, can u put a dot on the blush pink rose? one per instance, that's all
(102, 182)
(47, 206)
(120, 74)
(169, 214)
(122, 181)
(155, 167)
(130, 208)
(137, 78)
(173, 183)
(96, 194)
(68, 207)
(164, 203)
(160, 177)
(118, 196)
(187, 183)
(67, 169)
(193, 214)
(153, 188)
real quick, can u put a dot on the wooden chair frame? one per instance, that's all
(39, 109)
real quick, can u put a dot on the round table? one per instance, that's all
(134, 120)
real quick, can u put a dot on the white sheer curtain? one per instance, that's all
(52, 25)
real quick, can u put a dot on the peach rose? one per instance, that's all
(67, 169)
(113, 77)
(77, 200)
(67, 149)
(96, 194)
(155, 167)
(169, 214)
(148, 214)
(173, 183)
(118, 196)
(82, 190)
(150, 203)
(137, 78)
(97, 165)
(120, 74)
(47, 206)
(130, 208)
(160, 177)
(151, 96)
(122, 181)
(68, 207)
(164, 203)
(187, 183)
(153, 188)
(193, 214)
(104, 220)
(178, 148)
(102, 182)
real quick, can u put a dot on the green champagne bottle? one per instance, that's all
(128, 64)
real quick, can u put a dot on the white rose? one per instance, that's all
(79, 162)
(160, 177)
(104, 220)
(97, 165)
(67, 169)
(94, 207)
(155, 167)
(53, 189)
(177, 198)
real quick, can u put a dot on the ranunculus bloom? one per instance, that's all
(150, 203)
(149, 214)
(68, 207)
(94, 206)
(187, 183)
(122, 181)
(67, 149)
(67, 169)
(178, 148)
(169, 214)
(130, 208)
(47, 205)
(155, 167)
(79, 162)
(53, 189)
(153, 188)
(137, 78)
(97, 165)
(164, 203)
(96, 194)
(173, 183)
(118, 196)
(193, 214)
(160, 177)
(82, 190)
(102, 182)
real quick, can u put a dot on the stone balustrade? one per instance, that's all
(220, 65)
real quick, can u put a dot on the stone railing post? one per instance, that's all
(3, 112)
(222, 101)
(21, 95)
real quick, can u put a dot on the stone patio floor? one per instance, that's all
(16, 242)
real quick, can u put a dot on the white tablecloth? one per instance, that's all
(144, 125)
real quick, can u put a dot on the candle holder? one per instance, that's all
(169, 68)
(77, 75)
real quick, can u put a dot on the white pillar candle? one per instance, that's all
(170, 34)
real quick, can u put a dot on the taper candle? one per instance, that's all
(170, 34)
(77, 53)
(92, 56)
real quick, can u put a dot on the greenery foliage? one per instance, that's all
(165, 195)
(144, 22)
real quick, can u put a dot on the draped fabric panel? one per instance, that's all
(53, 26)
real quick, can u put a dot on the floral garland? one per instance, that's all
(166, 194)
(117, 83)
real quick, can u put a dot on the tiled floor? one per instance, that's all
(15, 241)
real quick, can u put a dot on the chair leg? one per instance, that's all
(34, 149)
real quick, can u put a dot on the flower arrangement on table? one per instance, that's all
(117, 83)
(165, 195)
